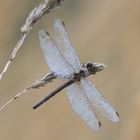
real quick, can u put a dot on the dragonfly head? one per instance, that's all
(93, 68)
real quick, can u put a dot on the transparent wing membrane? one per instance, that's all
(99, 103)
(53, 56)
(65, 45)
(81, 106)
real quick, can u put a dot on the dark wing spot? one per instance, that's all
(63, 23)
(117, 114)
(47, 33)
(99, 124)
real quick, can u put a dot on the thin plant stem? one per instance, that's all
(37, 84)
(43, 8)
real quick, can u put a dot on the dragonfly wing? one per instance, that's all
(65, 45)
(53, 56)
(81, 106)
(99, 103)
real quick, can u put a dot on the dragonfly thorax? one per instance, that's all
(88, 69)
(82, 74)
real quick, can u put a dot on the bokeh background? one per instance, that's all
(106, 31)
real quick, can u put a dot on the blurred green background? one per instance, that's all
(105, 31)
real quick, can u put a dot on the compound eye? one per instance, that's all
(89, 65)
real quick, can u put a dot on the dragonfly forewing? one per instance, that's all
(99, 103)
(65, 45)
(81, 106)
(53, 56)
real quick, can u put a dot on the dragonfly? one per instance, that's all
(64, 64)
